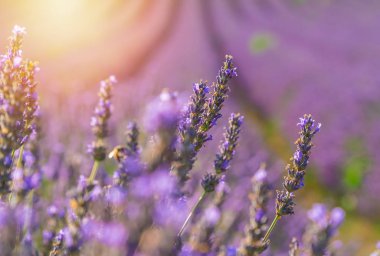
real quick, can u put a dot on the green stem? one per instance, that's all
(200, 199)
(20, 154)
(13, 154)
(274, 222)
(18, 165)
(94, 170)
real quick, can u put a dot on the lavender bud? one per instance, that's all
(284, 203)
(209, 182)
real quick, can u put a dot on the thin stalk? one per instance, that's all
(271, 227)
(200, 199)
(18, 165)
(13, 154)
(94, 170)
(20, 154)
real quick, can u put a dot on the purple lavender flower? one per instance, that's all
(100, 119)
(209, 182)
(257, 227)
(110, 234)
(129, 165)
(161, 120)
(215, 104)
(80, 199)
(18, 104)
(57, 246)
(188, 128)
(162, 114)
(227, 149)
(200, 117)
(54, 217)
(323, 226)
(132, 139)
(296, 169)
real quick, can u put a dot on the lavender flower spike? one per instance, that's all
(215, 104)
(255, 231)
(188, 127)
(99, 124)
(296, 169)
(323, 226)
(100, 118)
(18, 104)
(227, 151)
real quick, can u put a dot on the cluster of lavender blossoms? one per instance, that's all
(18, 106)
(139, 201)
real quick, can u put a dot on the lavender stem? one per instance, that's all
(19, 160)
(272, 225)
(94, 170)
(200, 199)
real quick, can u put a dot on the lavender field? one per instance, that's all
(246, 127)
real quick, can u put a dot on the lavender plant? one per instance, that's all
(99, 124)
(221, 164)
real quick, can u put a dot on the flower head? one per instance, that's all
(227, 148)
(19, 103)
(99, 121)
(323, 226)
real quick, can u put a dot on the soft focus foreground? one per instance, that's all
(293, 57)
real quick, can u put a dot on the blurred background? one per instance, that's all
(293, 57)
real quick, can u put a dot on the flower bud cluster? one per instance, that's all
(201, 115)
(227, 151)
(323, 226)
(18, 104)
(296, 169)
(99, 121)
(258, 225)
